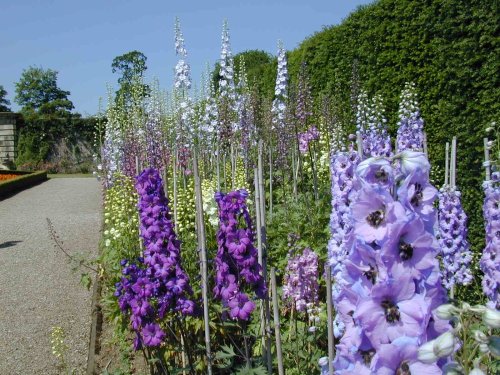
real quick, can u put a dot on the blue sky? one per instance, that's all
(79, 39)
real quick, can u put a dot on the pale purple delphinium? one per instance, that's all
(410, 125)
(372, 126)
(156, 284)
(490, 260)
(245, 125)
(113, 146)
(182, 84)
(400, 357)
(237, 267)
(227, 91)
(390, 280)
(312, 134)
(456, 254)
(279, 106)
(301, 280)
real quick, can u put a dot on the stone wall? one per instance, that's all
(8, 150)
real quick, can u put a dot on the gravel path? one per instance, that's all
(38, 289)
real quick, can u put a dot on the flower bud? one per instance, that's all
(492, 318)
(412, 160)
(478, 309)
(446, 311)
(476, 371)
(483, 348)
(480, 337)
(444, 345)
(426, 353)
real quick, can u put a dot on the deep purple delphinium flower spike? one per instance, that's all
(237, 268)
(156, 285)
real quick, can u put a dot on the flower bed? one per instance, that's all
(12, 182)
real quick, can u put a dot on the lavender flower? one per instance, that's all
(389, 284)
(372, 125)
(490, 260)
(456, 254)
(301, 280)
(279, 106)
(237, 268)
(312, 134)
(227, 91)
(182, 69)
(156, 285)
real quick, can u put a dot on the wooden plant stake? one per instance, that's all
(276, 316)
(486, 163)
(203, 257)
(359, 143)
(329, 312)
(447, 164)
(175, 188)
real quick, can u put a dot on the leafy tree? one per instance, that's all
(4, 103)
(131, 66)
(37, 92)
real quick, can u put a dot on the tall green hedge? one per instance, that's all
(448, 48)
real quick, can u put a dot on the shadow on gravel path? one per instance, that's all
(38, 290)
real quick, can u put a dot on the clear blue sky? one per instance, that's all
(79, 39)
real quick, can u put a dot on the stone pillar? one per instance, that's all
(8, 139)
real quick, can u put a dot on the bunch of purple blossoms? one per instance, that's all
(236, 261)
(490, 260)
(390, 280)
(312, 134)
(301, 280)
(456, 254)
(157, 284)
(411, 125)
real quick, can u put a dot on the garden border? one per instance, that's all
(24, 181)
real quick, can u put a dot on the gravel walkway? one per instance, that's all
(38, 289)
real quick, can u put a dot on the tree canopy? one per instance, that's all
(131, 66)
(4, 103)
(37, 92)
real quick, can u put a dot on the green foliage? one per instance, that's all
(37, 93)
(41, 134)
(4, 103)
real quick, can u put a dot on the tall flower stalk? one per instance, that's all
(237, 267)
(456, 254)
(279, 106)
(410, 125)
(155, 285)
(390, 281)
